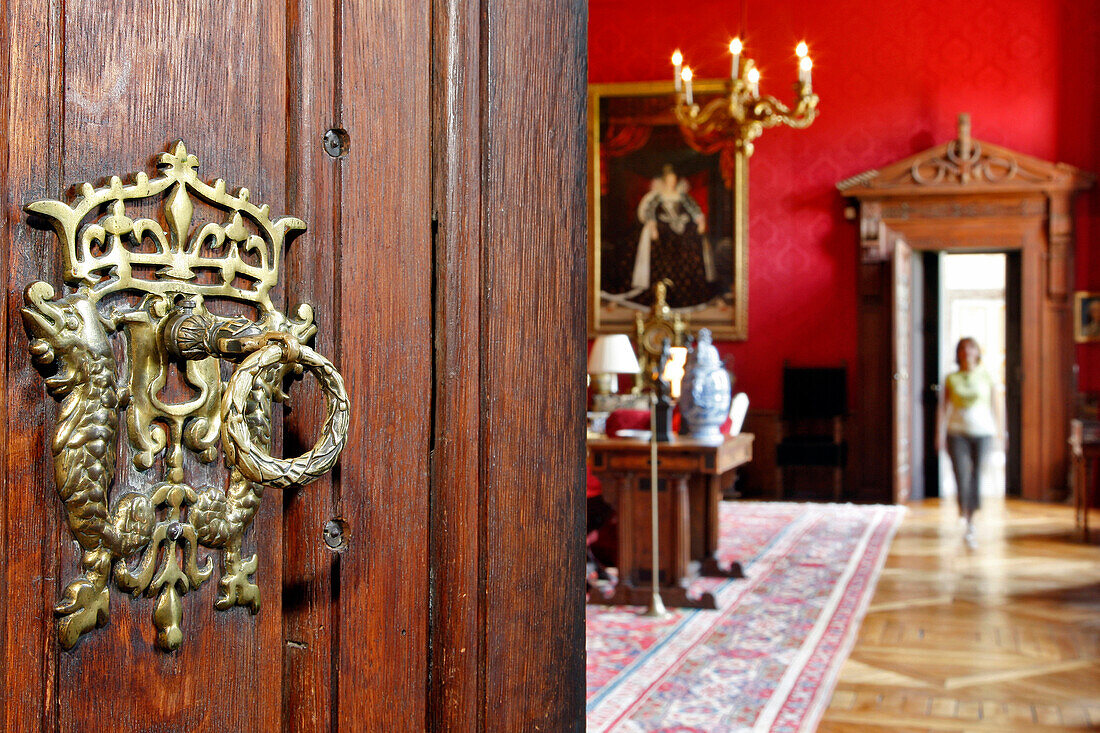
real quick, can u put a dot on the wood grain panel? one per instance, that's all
(465, 353)
(1032, 468)
(31, 521)
(533, 339)
(455, 683)
(312, 179)
(871, 466)
(385, 322)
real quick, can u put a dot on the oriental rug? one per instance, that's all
(768, 658)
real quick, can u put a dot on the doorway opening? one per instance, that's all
(973, 304)
(957, 295)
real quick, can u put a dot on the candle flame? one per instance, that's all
(754, 75)
(801, 49)
(806, 63)
(677, 57)
(686, 73)
(735, 46)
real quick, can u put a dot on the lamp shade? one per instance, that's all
(613, 354)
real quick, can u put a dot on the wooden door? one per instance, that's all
(1013, 372)
(901, 363)
(928, 356)
(454, 598)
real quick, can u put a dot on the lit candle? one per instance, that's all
(677, 61)
(804, 67)
(802, 52)
(735, 49)
(686, 75)
(754, 81)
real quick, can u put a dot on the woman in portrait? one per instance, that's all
(672, 244)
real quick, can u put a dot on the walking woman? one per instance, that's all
(968, 417)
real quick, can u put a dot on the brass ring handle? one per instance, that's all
(252, 461)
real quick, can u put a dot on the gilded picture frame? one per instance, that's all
(1086, 317)
(640, 168)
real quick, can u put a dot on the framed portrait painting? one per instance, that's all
(1086, 317)
(660, 211)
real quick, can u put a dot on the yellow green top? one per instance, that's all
(970, 403)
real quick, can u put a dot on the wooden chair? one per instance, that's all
(812, 426)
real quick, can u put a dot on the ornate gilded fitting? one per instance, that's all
(148, 284)
(651, 332)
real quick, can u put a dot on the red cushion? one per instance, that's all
(626, 420)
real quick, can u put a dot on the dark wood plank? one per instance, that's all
(310, 683)
(252, 93)
(31, 526)
(455, 684)
(5, 48)
(533, 344)
(871, 462)
(385, 322)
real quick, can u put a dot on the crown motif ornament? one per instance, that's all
(147, 536)
(97, 256)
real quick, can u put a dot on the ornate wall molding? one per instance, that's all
(964, 165)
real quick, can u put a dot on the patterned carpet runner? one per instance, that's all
(768, 658)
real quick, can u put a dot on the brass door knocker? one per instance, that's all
(153, 285)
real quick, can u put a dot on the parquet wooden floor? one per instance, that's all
(1005, 637)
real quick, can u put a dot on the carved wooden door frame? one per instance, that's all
(968, 195)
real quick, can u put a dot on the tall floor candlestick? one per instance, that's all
(656, 608)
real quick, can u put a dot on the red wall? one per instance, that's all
(891, 77)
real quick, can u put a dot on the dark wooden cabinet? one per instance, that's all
(458, 601)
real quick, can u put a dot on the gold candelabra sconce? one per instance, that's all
(146, 281)
(729, 124)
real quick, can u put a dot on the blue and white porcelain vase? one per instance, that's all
(705, 391)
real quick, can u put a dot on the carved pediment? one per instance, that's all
(964, 165)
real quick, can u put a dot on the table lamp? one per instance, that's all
(611, 355)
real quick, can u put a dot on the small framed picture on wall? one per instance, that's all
(1086, 317)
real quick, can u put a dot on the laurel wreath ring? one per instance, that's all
(253, 462)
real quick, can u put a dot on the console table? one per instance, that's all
(689, 475)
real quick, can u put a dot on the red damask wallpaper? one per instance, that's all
(891, 77)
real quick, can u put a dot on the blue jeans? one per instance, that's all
(967, 457)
